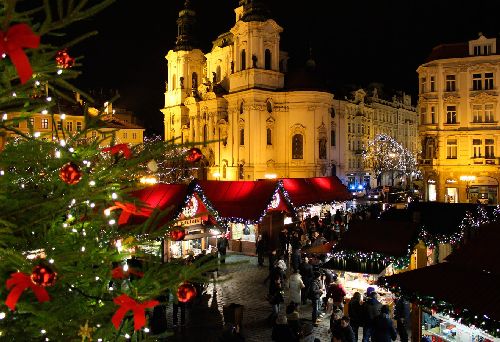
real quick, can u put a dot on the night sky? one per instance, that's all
(355, 43)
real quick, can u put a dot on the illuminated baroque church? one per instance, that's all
(251, 119)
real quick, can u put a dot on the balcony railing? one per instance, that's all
(485, 161)
(425, 162)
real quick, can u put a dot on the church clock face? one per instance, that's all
(275, 202)
(191, 208)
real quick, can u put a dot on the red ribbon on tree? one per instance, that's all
(129, 209)
(127, 153)
(19, 282)
(19, 36)
(138, 309)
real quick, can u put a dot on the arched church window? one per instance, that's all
(243, 59)
(194, 81)
(218, 73)
(267, 59)
(298, 146)
(269, 136)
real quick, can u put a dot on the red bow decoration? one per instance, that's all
(19, 36)
(127, 153)
(138, 309)
(20, 282)
(129, 209)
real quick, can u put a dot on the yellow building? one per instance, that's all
(459, 131)
(46, 126)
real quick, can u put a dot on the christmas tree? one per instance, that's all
(68, 271)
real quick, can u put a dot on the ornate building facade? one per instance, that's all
(459, 131)
(235, 103)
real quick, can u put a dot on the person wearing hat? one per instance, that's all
(371, 309)
(315, 293)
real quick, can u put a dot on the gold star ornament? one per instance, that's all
(86, 332)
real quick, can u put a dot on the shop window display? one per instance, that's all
(243, 232)
(443, 329)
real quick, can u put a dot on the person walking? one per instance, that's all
(306, 271)
(371, 308)
(295, 285)
(402, 317)
(315, 293)
(222, 248)
(383, 329)
(337, 293)
(276, 295)
(355, 312)
(260, 249)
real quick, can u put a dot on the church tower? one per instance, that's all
(185, 73)
(256, 48)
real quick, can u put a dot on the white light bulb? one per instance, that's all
(4, 55)
(70, 216)
(107, 212)
(114, 195)
(111, 222)
(71, 149)
(127, 336)
(63, 116)
(5, 116)
(74, 230)
(45, 111)
(2, 315)
(92, 183)
(110, 288)
(146, 330)
(2, 172)
(37, 83)
(96, 278)
(58, 154)
(43, 331)
(83, 249)
(36, 134)
(62, 142)
(14, 94)
(59, 71)
(51, 261)
(49, 99)
(125, 268)
(92, 205)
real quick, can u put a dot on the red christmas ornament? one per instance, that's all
(70, 173)
(43, 275)
(186, 292)
(193, 155)
(177, 234)
(64, 60)
(12, 42)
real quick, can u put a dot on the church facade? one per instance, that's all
(234, 104)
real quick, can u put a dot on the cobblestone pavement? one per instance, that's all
(241, 283)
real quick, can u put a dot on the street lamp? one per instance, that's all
(467, 180)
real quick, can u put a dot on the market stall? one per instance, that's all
(180, 208)
(459, 298)
(370, 249)
(249, 208)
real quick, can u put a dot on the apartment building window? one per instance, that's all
(476, 148)
(31, 122)
(450, 83)
(488, 81)
(134, 135)
(332, 138)
(78, 126)
(362, 129)
(423, 81)
(59, 125)
(482, 50)
(451, 114)
(433, 83)
(69, 126)
(477, 113)
(298, 146)
(451, 149)
(349, 127)
(45, 123)
(489, 148)
(423, 113)
(477, 82)
(124, 135)
(489, 115)
(269, 137)
(433, 114)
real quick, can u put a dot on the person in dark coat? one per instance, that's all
(402, 317)
(346, 330)
(315, 293)
(296, 259)
(383, 329)
(260, 248)
(222, 244)
(355, 312)
(371, 308)
(282, 332)
(306, 271)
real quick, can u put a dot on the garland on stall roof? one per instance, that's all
(398, 262)
(461, 315)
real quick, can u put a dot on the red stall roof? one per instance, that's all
(246, 200)
(304, 191)
(163, 197)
